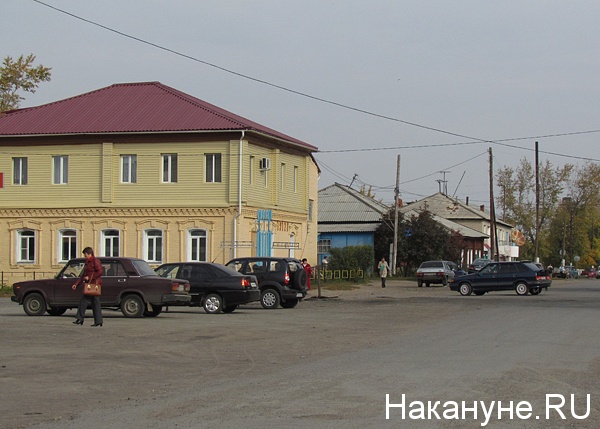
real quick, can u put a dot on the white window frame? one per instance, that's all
(200, 241)
(110, 238)
(295, 179)
(169, 167)
(20, 170)
(26, 246)
(282, 177)
(153, 245)
(214, 169)
(128, 168)
(68, 238)
(251, 170)
(60, 169)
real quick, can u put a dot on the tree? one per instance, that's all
(19, 75)
(420, 238)
(517, 198)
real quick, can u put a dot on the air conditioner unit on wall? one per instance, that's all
(264, 164)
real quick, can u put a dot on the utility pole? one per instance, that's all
(396, 195)
(492, 215)
(537, 203)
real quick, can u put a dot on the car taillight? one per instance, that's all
(179, 287)
(245, 282)
(286, 278)
(419, 274)
(440, 274)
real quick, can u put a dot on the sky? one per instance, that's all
(436, 83)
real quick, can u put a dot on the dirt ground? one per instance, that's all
(182, 367)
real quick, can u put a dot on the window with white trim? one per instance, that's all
(324, 245)
(169, 168)
(110, 242)
(196, 248)
(153, 245)
(67, 239)
(128, 168)
(295, 179)
(251, 170)
(213, 167)
(282, 177)
(19, 171)
(25, 246)
(61, 169)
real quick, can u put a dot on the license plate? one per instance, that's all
(253, 284)
(299, 295)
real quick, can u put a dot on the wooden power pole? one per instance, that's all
(396, 195)
(492, 214)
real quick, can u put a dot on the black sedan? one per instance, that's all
(522, 277)
(213, 286)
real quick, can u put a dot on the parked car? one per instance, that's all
(522, 277)
(435, 272)
(281, 280)
(590, 273)
(477, 265)
(213, 286)
(127, 283)
(565, 272)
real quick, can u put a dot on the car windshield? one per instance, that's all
(73, 269)
(143, 268)
(168, 271)
(432, 264)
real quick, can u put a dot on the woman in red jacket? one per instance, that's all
(92, 273)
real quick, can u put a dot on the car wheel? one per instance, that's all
(229, 308)
(535, 290)
(213, 303)
(34, 304)
(53, 311)
(132, 306)
(301, 279)
(465, 289)
(479, 292)
(269, 299)
(426, 284)
(290, 303)
(445, 281)
(156, 310)
(521, 288)
(419, 283)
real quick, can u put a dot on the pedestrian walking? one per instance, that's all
(91, 275)
(384, 269)
(308, 270)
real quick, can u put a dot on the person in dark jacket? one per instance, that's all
(92, 273)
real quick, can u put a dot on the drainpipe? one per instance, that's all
(239, 210)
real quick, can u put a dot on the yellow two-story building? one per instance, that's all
(147, 171)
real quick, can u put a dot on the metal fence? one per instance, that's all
(8, 278)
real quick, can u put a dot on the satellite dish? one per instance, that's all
(517, 237)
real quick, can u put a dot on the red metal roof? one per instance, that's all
(142, 107)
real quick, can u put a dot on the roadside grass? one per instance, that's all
(6, 291)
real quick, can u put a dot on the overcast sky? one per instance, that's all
(482, 70)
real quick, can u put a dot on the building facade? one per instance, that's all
(147, 171)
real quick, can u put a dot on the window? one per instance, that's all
(110, 242)
(68, 244)
(197, 245)
(324, 246)
(251, 170)
(26, 246)
(153, 245)
(129, 168)
(213, 167)
(310, 210)
(19, 171)
(295, 179)
(61, 169)
(282, 178)
(169, 163)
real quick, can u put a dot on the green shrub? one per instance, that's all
(352, 258)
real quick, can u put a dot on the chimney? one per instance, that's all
(467, 200)
(482, 208)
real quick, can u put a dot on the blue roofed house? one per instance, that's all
(346, 217)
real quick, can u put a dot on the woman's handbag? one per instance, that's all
(92, 289)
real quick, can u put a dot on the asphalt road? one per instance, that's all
(327, 363)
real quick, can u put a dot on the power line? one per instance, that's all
(323, 100)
